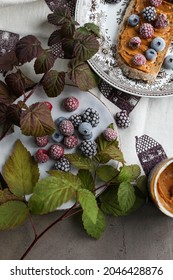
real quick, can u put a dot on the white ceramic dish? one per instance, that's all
(108, 17)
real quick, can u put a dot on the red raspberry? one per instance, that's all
(56, 151)
(156, 3)
(41, 141)
(41, 156)
(139, 59)
(146, 30)
(49, 105)
(134, 42)
(71, 103)
(161, 21)
(70, 141)
(110, 134)
(66, 128)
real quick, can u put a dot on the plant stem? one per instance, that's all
(26, 97)
(33, 226)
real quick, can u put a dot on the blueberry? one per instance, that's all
(168, 62)
(133, 20)
(87, 137)
(151, 54)
(57, 137)
(85, 128)
(59, 120)
(158, 44)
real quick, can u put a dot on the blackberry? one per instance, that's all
(122, 119)
(91, 116)
(62, 164)
(112, 1)
(88, 148)
(76, 120)
(149, 13)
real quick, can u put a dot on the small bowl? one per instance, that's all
(160, 184)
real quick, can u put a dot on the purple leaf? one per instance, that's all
(68, 29)
(55, 38)
(53, 83)
(60, 16)
(44, 62)
(3, 111)
(8, 61)
(13, 114)
(15, 83)
(5, 94)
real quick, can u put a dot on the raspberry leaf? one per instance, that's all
(3, 113)
(106, 173)
(110, 152)
(6, 96)
(44, 62)
(68, 29)
(28, 48)
(55, 38)
(60, 16)
(81, 162)
(13, 114)
(126, 196)
(16, 83)
(8, 61)
(142, 184)
(37, 120)
(13, 214)
(20, 171)
(53, 83)
(86, 179)
(94, 229)
(92, 28)
(129, 173)
(6, 195)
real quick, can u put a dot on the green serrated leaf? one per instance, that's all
(110, 152)
(94, 229)
(6, 195)
(53, 83)
(13, 214)
(106, 172)
(126, 196)
(21, 171)
(36, 120)
(129, 173)
(67, 178)
(142, 184)
(86, 179)
(92, 28)
(88, 203)
(80, 161)
(50, 193)
(44, 62)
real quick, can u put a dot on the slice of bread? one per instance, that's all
(125, 54)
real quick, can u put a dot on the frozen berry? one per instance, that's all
(71, 103)
(41, 156)
(88, 148)
(134, 42)
(59, 120)
(70, 141)
(41, 141)
(85, 128)
(151, 54)
(87, 137)
(158, 44)
(76, 120)
(49, 105)
(161, 21)
(56, 151)
(149, 13)
(109, 134)
(122, 119)
(57, 137)
(139, 59)
(168, 62)
(91, 116)
(146, 30)
(133, 20)
(156, 3)
(66, 128)
(62, 164)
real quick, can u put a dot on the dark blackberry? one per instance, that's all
(122, 119)
(112, 1)
(149, 13)
(91, 116)
(62, 164)
(76, 120)
(88, 148)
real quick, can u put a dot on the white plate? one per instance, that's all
(86, 99)
(108, 17)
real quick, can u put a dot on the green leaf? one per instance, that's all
(13, 214)
(81, 75)
(126, 196)
(36, 120)
(6, 96)
(110, 152)
(6, 195)
(106, 172)
(102, 143)
(20, 171)
(92, 28)
(50, 193)
(88, 203)
(86, 179)
(129, 173)
(81, 162)
(142, 184)
(44, 62)
(60, 16)
(94, 229)
(53, 83)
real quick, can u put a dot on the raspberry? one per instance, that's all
(122, 119)
(56, 151)
(66, 128)
(91, 116)
(139, 60)
(41, 156)
(134, 42)
(88, 148)
(41, 141)
(146, 30)
(156, 3)
(49, 105)
(161, 21)
(70, 141)
(63, 164)
(109, 134)
(149, 13)
(76, 120)
(71, 103)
